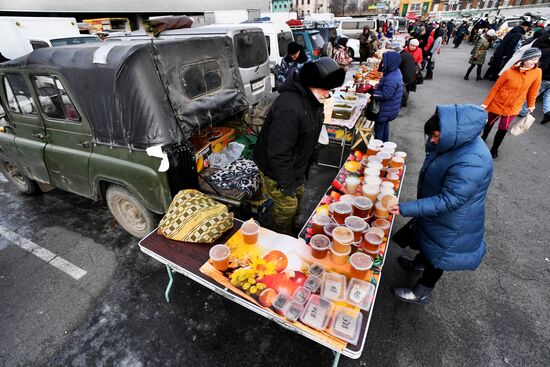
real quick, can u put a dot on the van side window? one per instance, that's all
(284, 39)
(268, 45)
(299, 38)
(39, 44)
(349, 25)
(18, 95)
(200, 79)
(54, 100)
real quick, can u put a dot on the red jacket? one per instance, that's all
(416, 54)
(430, 41)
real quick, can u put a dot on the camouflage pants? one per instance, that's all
(285, 207)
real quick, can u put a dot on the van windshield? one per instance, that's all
(251, 49)
(73, 41)
(317, 40)
(284, 39)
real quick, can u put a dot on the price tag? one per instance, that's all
(345, 325)
(358, 294)
(332, 289)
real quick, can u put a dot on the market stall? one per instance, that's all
(321, 285)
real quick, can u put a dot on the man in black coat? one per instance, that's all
(505, 50)
(450, 29)
(408, 70)
(286, 145)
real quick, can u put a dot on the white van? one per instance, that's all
(22, 35)
(249, 45)
(353, 28)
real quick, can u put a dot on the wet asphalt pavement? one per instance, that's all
(116, 315)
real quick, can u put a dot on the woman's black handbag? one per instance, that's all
(406, 236)
(419, 79)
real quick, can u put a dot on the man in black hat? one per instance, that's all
(295, 58)
(286, 145)
(505, 50)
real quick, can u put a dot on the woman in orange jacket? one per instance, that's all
(522, 81)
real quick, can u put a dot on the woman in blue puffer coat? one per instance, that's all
(452, 187)
(389, 94)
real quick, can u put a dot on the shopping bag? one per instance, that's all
(522, 125)
(323, 137)
(406, 236)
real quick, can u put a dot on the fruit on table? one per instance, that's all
(352, 166)
(281, 282)
(267, 297)
(278, 258)
(358, 155)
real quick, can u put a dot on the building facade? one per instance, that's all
(305, 7)
(416, 7)
(281, 5)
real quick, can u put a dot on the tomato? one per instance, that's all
(278, 258)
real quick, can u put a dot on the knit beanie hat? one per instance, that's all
(414, 42)
(531, 53)
(293, 47)
(323, 73)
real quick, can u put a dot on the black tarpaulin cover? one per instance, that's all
(146, 93)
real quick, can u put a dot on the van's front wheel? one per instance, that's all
(16, 177)
(129, 212)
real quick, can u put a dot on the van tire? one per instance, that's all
(17, 178)
(129, 212)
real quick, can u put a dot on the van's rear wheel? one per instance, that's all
(129, 212)
(16, 177)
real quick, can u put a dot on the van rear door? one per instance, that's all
(69, 136)
(252, 56)
(28, 129)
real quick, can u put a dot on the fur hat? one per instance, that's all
(531, 53)
(322, 73)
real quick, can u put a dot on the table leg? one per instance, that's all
(343, 146)
(336, 359)
(170, 282)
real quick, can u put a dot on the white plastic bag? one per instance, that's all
(522, 125)
(323, 137)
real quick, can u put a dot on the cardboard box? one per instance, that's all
(221, 143)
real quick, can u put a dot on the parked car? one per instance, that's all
(81, 118)
(249, 45)
(311, 40)
(353, 28)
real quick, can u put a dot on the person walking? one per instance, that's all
(461, 32)
(408, 71)
(366, 43)
(450, 29)
(505, 50)
(288, 140)
(415, 51)
(504, 101)
(449, 212)
(543, 44)
(388, 94)
(430, 54)
(295, 58)
(478, 53)
(341, 55)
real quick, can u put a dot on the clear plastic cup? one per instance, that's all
(388, 201)
(393, 178)
(372, 243)
(352, 182)
(360, 265)
(333, 286)
(250, 230)
(318, 222)
(372, 149)
(387, 184)
(383, 224)
(377, 142)
(397, 162)
(377, 231)
(371, 192)
(281, 303)
(388, 150)
(376, 165)
(401, 154)
(319, 244)
(380, 211)
(219, 254)
(339, 258)
(386, 191)
(327, 229)
(346, 324)
(362, 207)
(301, 295)
(348, 199)
(374, 158)
(358, 227)
(340, 211)
(371, 172)
(372, 181)
(316, 269)
(342, 237)
(390, 144)
(385, 156)
(317, 311)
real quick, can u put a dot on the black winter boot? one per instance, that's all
(546, 118)
(419, 294)
(499, 137)
(486, 131)
(410, 264)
